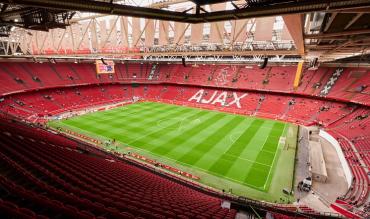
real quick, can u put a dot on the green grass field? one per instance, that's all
(251, 156)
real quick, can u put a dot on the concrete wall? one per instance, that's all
(343, 161)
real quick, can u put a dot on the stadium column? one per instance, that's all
(149, 32)
(298, 74)
(163, 33)
(294, 24)
(217, 30)
(124, 33)
(136, 31)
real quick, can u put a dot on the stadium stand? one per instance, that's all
(34, 90)
(60, 181)
(204, 109)
(62, 74)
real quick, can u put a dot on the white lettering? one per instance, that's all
(236, 100)
(210, 99)
(221, 99)
(198, 96)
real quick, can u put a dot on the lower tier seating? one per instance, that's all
(42, 178)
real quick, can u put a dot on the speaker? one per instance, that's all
(314, 62)
(102, 60)
(264, 64)
(183, 61)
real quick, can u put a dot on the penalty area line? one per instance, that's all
(273, 160)
(195, 167)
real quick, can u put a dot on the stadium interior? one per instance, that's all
(185, 109)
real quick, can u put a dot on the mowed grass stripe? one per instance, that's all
(124, 131)
(234, 147)
(143, 119)
(144, 141)
(258, 173)
(225, 162)
(239, 145)
(128, 130)
(258, 140)
(91, 123)
(207, 144)
(171, 144)
(148, 124)
(274, 137)
(117, 110)
(144, 124)
(129, 114)
(102, 117)
(268, 150)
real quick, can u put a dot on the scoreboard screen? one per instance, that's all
(104, 68)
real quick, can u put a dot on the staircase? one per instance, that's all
(262, 98)
(53, 101)
(34, 77)
(287, 108)
(55, 71)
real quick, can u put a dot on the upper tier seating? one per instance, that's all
(353, 84)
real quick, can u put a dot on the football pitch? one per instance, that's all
(244, 155)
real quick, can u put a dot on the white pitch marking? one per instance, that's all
(273, 160)
(149, 133)
(251, 161)
(195, 167)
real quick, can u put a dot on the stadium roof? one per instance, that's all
(247, 30)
